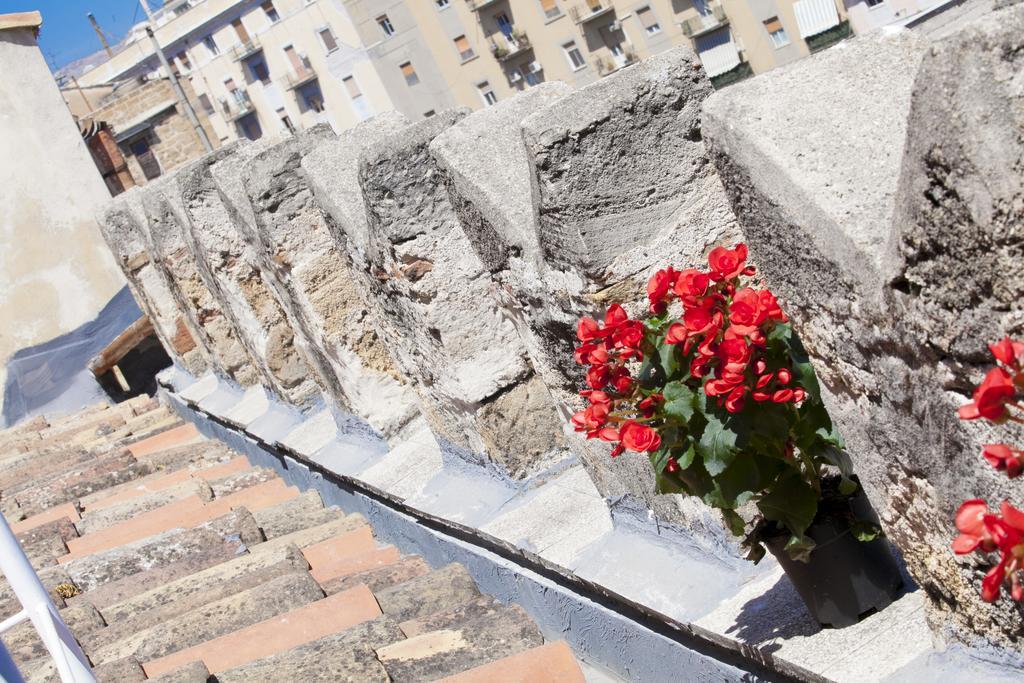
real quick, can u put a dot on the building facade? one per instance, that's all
(258, 66)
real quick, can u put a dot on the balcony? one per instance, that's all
(236, 105)
(593, 9)
(505, 48)
(609, 65)
(246, 49)
(477, 5)
(705, 23)
(300, 76)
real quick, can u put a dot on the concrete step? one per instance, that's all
(553, 663)
(344, 656)
(261, 555)
(183, 435)
(95, 570)
(234, 483)
(96, 520)
(406, 568)
(184, 514)
(194, 595)
(443, 589)
(160, 481)
(210, 621)
(278, 634)
(446, 618)
(461, 647)
(305, 511)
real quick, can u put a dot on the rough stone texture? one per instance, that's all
(223, 231)
(437, 311)
(299, 513)
(52, 577)
(445, 588)
(404, 569)
(612, 183)
(193, 672)
(436, 654)
(445, 618)
(23, 640)
(215, 619)
(345, 656)
(80, 481)
(174, 253)
(123, 228)
(126, 670)
(896, 269)
(108, 516)
(45, 543)
(312, 278)
(243, 480)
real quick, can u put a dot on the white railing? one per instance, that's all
(37, 607)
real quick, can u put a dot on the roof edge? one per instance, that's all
(21, 20)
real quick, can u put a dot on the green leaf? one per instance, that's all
(717, 445)
(800, 547)
(865, 531)
(685, 457)
(679, 401)
(734, 522)
(791, 502)
(668, 354)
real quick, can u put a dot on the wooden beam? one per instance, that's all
(112, 354)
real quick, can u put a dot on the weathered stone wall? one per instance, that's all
(438, 268)
(897, 249)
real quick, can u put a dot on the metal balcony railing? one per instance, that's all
(236, 105)
(705, 23)
(246, 49)
(506, 47)
(300, 76)
(591, 10)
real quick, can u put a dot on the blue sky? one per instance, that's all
(67, 35)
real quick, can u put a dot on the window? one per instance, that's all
(874, 3)
(311, 97)
(211, 45)
(243, 35)
(574, 56)
(776, 32)
(551, 8)
(487, 93)
(465, 49)
(327, 38)
(530, 72)
(271, 11)
(285, 121)
(258, 70)
(206, 104)
(385, 25)
(352, 87)
(441, 4)
(648, 21)
(249, 126)
(183, 60)
(410, 73)
(144, 155)
(504, 24)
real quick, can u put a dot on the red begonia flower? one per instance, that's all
(691, 284)
(993, 581)
(676, 334)
(727, 263)
(990, 397)
(660, 284)
(639, 438)
(970, 522)
(1008, 351)
(1002, 457)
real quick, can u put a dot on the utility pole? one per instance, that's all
(178, 91)
(99, 32)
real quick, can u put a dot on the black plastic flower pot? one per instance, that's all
(845, 579)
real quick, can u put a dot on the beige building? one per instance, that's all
(258, 66)
(433, 54)
(56, 273)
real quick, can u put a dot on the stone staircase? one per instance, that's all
(172, 558)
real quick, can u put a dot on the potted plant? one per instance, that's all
(714, 386)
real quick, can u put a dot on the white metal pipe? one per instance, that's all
(11, 622)
(71, 663)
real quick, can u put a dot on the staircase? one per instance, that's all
(171, 558)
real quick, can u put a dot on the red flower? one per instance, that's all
(782, 396)
(1008, 352)
(746, 313)
(736, 400)
(614, 316)
(784, 376)
(598, 376)
(629, 334)
(591, 419)
(676, 334)
(727, 263)
(639, 438)
(588, 329)
(734, 352)
(970, 522)
(993, 581)
(691, 284)
(1002, 457)
(659, 286)
(990, 397)
(770, 305)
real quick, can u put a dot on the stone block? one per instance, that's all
(123, 225)
(897, 265)
(436, 306)
(223, 234)
(312, 278)
(174, 252)
(443, 589)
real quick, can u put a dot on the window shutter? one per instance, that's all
(328, 39)
(547, 5)
(461, 44)
(773, 25)
(407, 69)
(646, 17)
(351, 86)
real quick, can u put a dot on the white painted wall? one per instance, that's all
(56, 272)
